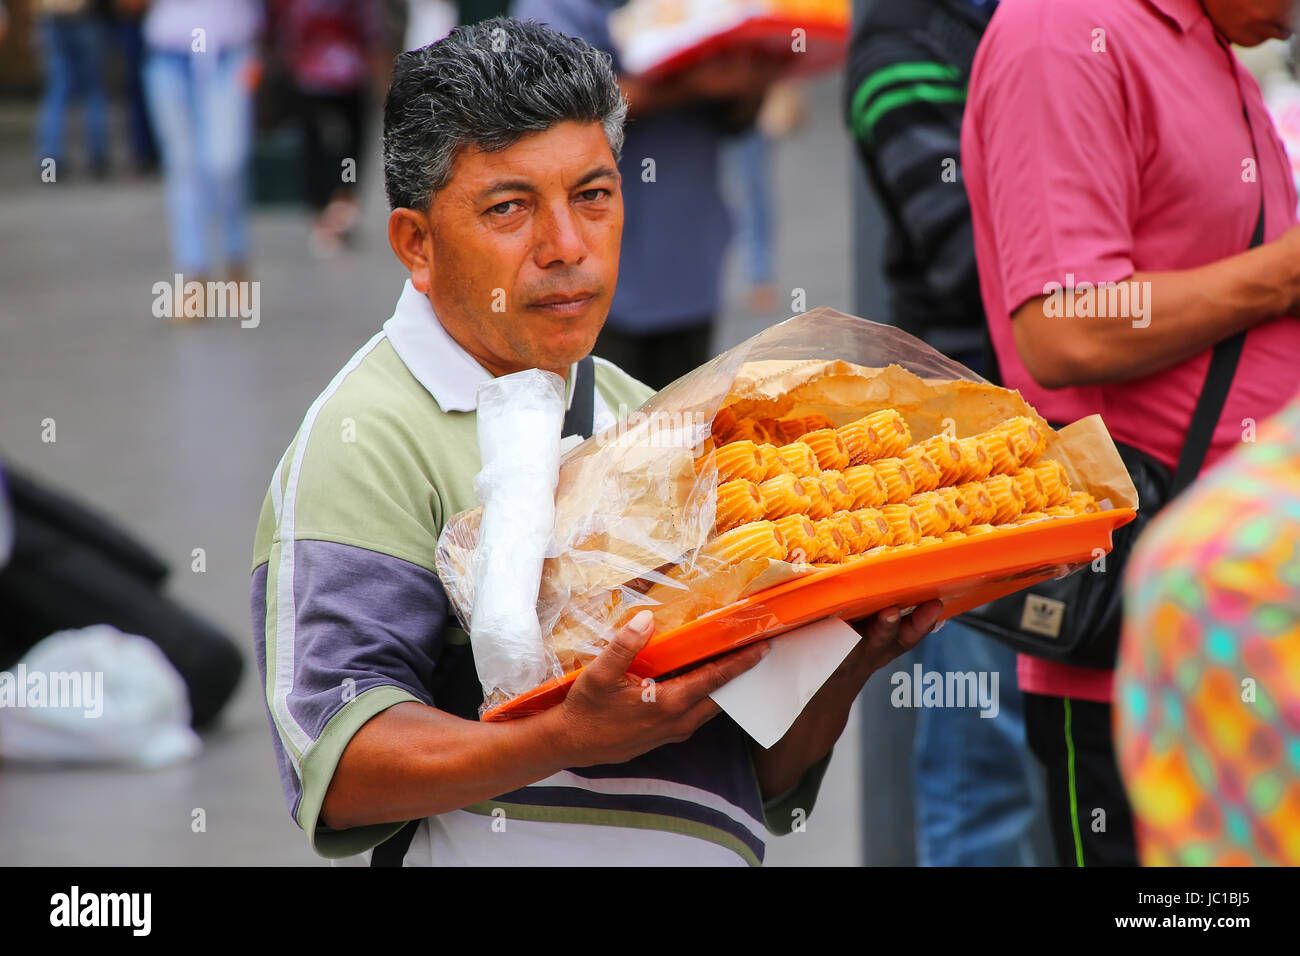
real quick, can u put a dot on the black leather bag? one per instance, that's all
(1077, 619)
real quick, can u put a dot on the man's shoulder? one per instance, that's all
(364, 455)
(1066, 24)
(618, 387)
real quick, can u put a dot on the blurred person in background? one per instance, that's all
(748, 160)
(127, 28)
(1207, 693)
(1104, 142)
(977, 789)
(428, 21)
(336, 53)
(72, 44)
(200, 73)
(1276, 66)
(677, 225)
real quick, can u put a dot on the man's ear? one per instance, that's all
(409, 235)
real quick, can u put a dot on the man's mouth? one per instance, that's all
(564, 304)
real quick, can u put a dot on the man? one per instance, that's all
(976, 785)
(1104, 142)
(678, 225)
(500, 158)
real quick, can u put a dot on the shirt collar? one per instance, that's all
(1183, 13)
(449, 373)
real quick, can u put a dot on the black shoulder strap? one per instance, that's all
(393, 850)
(1222, 370)
(580, 418)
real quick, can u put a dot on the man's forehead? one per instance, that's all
(566, 152)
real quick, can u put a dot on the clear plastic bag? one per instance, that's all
(635, 506)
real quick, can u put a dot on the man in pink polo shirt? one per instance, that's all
(1104, 141)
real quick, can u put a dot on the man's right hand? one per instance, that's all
(611, 716)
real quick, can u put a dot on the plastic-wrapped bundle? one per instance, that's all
(739, 459)
(1056, 484)
(857, 538)
(838, 491)
(819, 503)
(784, 495)
(1026, 438)
(875, 523)
(975, 462)
(882, 434)
(831, 548)
(773, 463)
(897, 479)
(926, 475)
(1006, 498)
(1030, 488)
(946, 455)
(738, 503)
(959, 512)
(794, 427)
(931, 512)
(758, 539)
(1082, 503)
(828, 446)
(800, 537)
(868, 490)
(978, 502)
(799, 459)
(1001, 455)
(519, 421)
(903, 524)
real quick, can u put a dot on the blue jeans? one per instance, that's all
(977, 790)
(748, 157)
(203, 117)
(73, 51)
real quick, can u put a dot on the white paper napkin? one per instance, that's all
(767, 698)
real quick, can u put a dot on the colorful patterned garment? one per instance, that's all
(1208, 687)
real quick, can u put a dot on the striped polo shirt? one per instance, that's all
(350, 618)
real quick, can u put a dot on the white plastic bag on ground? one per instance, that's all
(95, 695)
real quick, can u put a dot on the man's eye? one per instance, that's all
(502, 208)
(591, 195)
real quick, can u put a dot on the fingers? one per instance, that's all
(612, 663)
(707, 678)
(889, 634)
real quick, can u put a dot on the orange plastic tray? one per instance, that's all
(963, 573)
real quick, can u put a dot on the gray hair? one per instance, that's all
(486, 85)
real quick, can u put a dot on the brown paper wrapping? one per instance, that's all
(631, 506)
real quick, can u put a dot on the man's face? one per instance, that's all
(1251, 22)
(524, 248)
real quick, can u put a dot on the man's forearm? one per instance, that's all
(1185, 313)
(412, 761)
(814, 733)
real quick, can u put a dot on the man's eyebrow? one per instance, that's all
(507, 186)
(526, 186)
(600, 172)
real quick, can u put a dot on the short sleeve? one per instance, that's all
(348, 616)
(1050, 120)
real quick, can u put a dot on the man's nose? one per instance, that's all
(559, 237)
